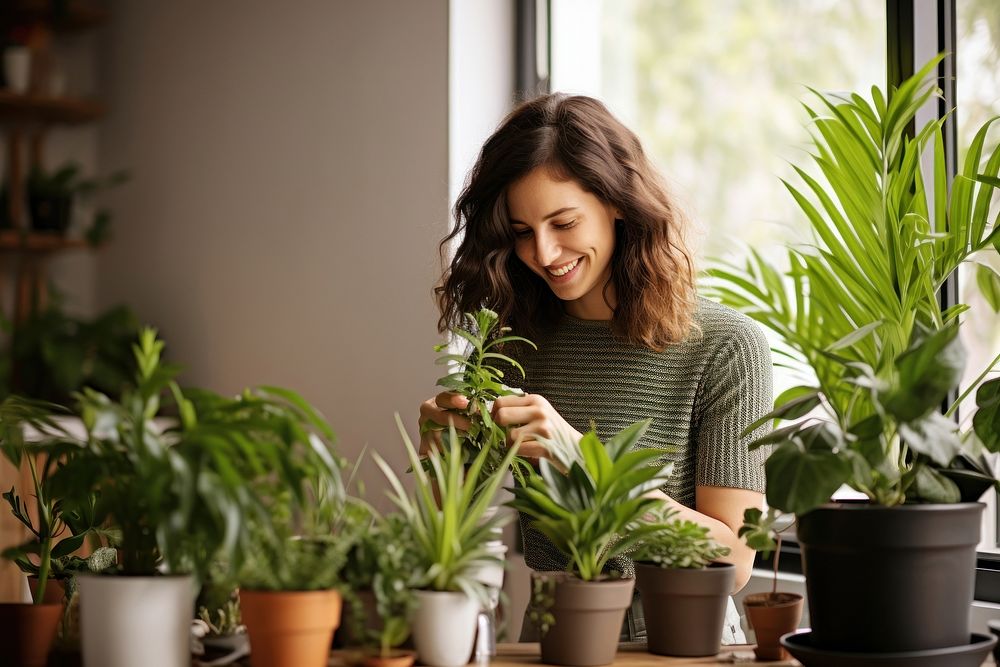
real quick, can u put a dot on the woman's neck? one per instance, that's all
(595, 305)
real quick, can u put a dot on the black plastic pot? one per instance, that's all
(890, 579)
(685, 610)
(50, 213)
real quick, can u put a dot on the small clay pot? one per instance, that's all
(772, 615)
(27, 632)
(55, 590)
(393, 659)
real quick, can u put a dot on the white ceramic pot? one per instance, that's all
(128, 621)
(17, 68)
(444, 628)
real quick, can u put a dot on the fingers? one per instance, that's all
(431, 411)
(511, 416)
(449, 400)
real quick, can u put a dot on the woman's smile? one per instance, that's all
(563, 273)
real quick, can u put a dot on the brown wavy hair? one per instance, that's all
(577, 138)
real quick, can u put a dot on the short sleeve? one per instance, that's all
(736, 392)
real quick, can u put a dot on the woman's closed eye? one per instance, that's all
(522, 232)
(566, 225)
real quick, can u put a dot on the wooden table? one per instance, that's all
(633, 655)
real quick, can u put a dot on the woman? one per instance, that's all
(568, 233)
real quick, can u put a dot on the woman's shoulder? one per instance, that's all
(719, 328)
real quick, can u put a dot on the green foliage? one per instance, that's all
(29, 433)
(450, 538)
(678, 544)
(861, 307)
(480, 379)
(56, 354)
(67, 182)
(594, 511)
(186, 494)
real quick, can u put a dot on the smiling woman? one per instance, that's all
(568, 233)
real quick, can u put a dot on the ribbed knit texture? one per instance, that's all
(701, 394)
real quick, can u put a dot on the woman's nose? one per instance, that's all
(546, 249)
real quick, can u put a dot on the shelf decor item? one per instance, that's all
(17, 68)
(861, 306)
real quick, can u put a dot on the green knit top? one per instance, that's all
(701, 394)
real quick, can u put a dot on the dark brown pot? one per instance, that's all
(370, 620)
(290, 627)
(588, 621)
(27, 632)
(913, 566)
(685, 610)
(772, 615)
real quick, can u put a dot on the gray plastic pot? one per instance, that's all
(685, 610)
(588, 621)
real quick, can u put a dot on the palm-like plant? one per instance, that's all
(593, 511)
(861, 307)
(479, 378)
(451, 535)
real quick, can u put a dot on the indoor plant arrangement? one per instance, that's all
(861, 307)
(478, 376)
(684, 591)
(589, 501)
(451, 540)
(181, 495)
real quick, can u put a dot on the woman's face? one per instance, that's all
(566, 235)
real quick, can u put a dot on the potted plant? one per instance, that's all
(289, 586)
(684, 591)
(51, 196)
(478, 376)
(589, 501)
(30, 629)
(861, 307)
(773, 614)
(451, 535)
(179, 492)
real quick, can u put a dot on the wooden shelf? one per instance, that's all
(67, 110)
(15, 241)
(79, 14)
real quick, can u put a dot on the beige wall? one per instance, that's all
(290, 186)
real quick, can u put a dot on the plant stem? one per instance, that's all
(973, 385)
(777, 555)
(43, 569)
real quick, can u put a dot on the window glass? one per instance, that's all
(978, 93)
(714, 90)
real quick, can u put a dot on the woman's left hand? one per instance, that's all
(533, 418)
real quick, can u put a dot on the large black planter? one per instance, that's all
(685, 610)
(890, 579)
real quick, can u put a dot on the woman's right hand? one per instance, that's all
(435, 416)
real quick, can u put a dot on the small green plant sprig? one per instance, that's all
(479, 379)
(678, 544)
(595, 510)
(450, 536)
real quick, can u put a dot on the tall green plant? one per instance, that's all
(182, 491)
(593, 511)
(479, 378)
(450, 536)
(860, 306)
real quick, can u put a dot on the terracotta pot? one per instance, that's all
(55, 590)
(772, 615)
(685, 610)
(27, 632)
(394, 659)
(588, 620)
(290, 627)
